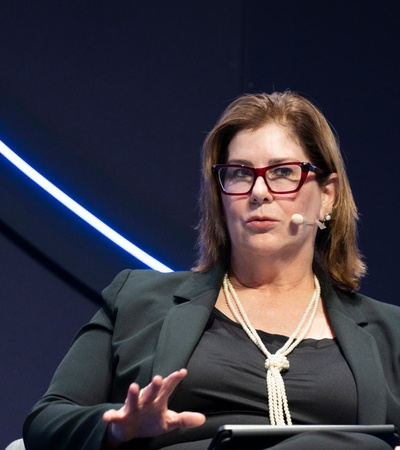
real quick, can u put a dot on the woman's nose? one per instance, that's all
(260, 192)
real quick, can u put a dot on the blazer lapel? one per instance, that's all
(185, 323)
(361, 353)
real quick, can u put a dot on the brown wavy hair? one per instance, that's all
(336, 249)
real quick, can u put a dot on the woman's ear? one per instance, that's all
(329, 192)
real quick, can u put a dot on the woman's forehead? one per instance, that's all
(270, 142)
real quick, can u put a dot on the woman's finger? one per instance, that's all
(149, 393)
(132, 399)
(170, 383)
(159, 389)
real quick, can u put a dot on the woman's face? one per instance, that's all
(259, 223)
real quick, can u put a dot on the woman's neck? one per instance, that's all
(273, 277)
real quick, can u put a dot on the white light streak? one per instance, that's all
(83, 213)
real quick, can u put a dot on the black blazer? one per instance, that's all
(150, 324)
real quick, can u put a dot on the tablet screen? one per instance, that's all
(259, 437)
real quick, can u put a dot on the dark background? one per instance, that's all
(111, 100)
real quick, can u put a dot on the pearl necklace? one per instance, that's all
(279, 413)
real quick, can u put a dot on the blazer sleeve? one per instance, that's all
(69, 416)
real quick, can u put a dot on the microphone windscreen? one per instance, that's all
(297, 219)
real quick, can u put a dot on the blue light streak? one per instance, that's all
(81, 212)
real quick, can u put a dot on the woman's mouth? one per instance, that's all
(261, 223)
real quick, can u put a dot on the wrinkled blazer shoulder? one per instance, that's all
(146, 289)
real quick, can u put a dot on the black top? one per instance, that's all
(227, 380)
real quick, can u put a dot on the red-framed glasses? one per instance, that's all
(283, 178)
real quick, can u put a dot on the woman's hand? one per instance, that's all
(146, 414)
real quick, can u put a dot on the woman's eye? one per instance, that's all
(242, 173)
(281, 172)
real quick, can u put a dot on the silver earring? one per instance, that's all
(328, 217)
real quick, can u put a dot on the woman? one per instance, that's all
(267, 328)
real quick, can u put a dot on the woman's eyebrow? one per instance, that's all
(271, 162)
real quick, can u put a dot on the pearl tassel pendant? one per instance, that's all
(278, 406)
